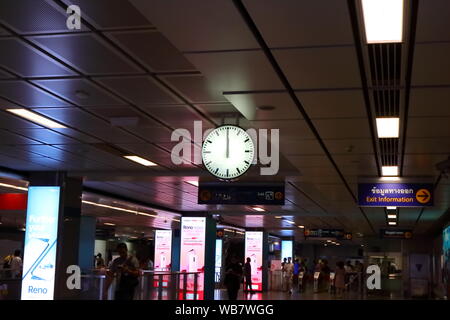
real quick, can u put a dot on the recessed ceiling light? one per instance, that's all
(392, 216)
(266, 108)
(391, 208)
(301, 227)
(390, 178)
(389, 170)
(109, 224)
(388, 127)
(392, 223)
(141, 161)
(13, 187)
(34, 117)
(289, 221)
(258, 209)
(383, 20)
(329, 241)
(193, 182)
(278, 217)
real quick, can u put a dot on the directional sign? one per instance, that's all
(324, 233)
(396, 233)
(251, 194)
(395, 194)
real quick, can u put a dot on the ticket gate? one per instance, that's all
(316, 281)
(332, 287)
(301, 282)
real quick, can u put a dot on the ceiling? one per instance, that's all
(167, 64)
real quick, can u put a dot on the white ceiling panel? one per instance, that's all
(333, 104)
(427, 145)
(343, 128)
(248, 105)
(315, 68)
(198, 25)
(291, 23)
(429, 127)
(430, 61)
(236, 70)
(432, 21)
(430, 102)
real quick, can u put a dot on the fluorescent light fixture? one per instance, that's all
(301, 227)
(289, 221)
(392, 216)
(109, 224)
(383, 20)
(390, 178)
(34, 117)
(391, 208)
(392, 223)
(13, 187)
(388, 127)
(329, 241)
(258, 209)
(193, 182)
(140, 160)
(278, 217)
(389, 170)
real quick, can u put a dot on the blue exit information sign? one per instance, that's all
(395, 194)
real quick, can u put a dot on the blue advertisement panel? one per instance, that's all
(286, 249)
(395, 194)
(38, 280)
(446, 257)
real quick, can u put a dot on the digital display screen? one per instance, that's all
(38, 280)
(446, 255)
(286, 249)
(254, 251)
(192, 255)
(163, 250)
(218, 259)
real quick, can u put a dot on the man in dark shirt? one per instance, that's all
(125, 269)
(248, 276)
(233, 278)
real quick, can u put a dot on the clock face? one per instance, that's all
(228, 152)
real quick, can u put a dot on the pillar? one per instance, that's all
(265, 273)
(210, 257)
(76, 234)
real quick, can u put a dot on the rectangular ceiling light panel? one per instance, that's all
(383, 20)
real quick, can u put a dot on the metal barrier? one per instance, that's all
(159, 285)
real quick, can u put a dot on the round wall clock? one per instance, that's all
(228, 152)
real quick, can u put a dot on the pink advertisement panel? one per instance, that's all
(193, 252)
(254, 251)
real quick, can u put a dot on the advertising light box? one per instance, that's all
(38, 280)
(286, 249)
(192, 255)
(163, 250)
(218, 259)
(254, 251)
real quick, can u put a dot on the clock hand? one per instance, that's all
(228, 145)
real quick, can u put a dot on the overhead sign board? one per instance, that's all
(38, 280)
(324, 233)
(396, 233)
(395, 194)
(225, 193)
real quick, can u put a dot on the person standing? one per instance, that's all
(233, 276)
(296, 273)
(126, 270)
(339, 279)
(248, 276)
(288, 275)
(100, 262)
(16, 265)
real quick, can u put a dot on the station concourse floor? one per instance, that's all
(221, 294)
